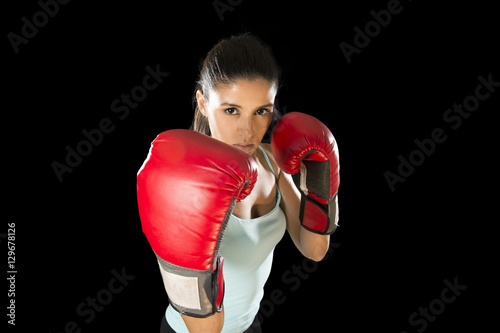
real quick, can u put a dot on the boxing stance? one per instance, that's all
(213, 205)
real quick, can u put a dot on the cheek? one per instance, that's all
(221, 126)
(263, 124)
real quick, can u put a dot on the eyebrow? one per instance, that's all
(238, 106)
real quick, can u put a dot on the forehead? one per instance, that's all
(246, 92)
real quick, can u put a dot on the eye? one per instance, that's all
(231, 111)
(262, 112)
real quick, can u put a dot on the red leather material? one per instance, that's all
(316, 218)
(317, 198)
(295, 135)
(301, 143)
(184, 190)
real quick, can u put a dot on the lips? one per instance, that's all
(246, 147)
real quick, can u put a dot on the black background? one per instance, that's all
(396, 248)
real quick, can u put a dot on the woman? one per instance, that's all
(235, 101)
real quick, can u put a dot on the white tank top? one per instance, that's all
(247, 249)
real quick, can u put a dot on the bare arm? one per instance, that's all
(212, 324)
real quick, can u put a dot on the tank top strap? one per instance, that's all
(267, 160)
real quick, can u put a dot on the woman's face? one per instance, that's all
(239, 113)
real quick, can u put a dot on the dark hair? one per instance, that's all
(234, 58)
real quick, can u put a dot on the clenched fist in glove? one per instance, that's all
(305, 148)
(186, 191)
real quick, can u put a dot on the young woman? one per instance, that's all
(235, 104)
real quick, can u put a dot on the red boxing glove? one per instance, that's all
(305, 148)
(186, 191)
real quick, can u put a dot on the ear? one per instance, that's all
(201, 102)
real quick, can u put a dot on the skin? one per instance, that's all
(239, 114)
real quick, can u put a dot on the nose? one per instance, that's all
(246, 126)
